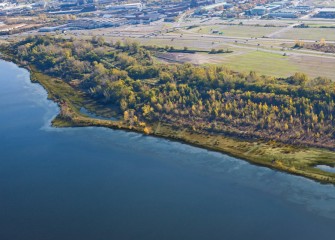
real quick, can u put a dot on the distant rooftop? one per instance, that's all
(327, 10)
(209, 7)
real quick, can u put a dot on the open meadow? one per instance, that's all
(236, 30)
(308, 34)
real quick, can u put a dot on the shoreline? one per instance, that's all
(274, 166)
(277, 156)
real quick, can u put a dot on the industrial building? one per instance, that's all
(91, 23)
(143, 18)
(284, 14)
(326, 13)
(87, 23)
(258, 11)
(131, 6)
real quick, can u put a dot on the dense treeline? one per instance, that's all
(203, 98)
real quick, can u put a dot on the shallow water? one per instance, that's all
(326, 168)
(97, 183)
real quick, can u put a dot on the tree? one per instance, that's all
(322, 42)
(101, 41)
(286, 126)
(125, 115)
(299, 79)
(299, 44)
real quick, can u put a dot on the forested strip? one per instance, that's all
(200, 98)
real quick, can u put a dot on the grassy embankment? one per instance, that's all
(293, 159)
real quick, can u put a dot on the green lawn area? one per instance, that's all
(237, 30)
(320, 25)
(261, 62)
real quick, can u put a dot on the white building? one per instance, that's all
(130, 6)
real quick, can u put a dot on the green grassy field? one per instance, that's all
(237, 30)
(314, 66)
(261, 62)
(320, 24)
(308, 34)
(245, 60)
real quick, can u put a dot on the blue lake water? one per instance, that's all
(102, 184)
(326, 168)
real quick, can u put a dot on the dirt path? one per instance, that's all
(280, 31)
